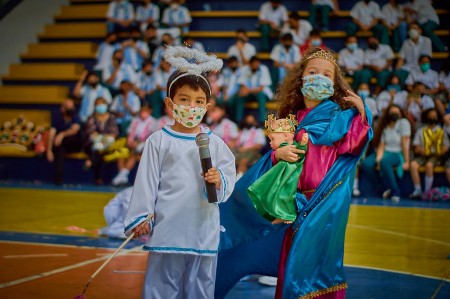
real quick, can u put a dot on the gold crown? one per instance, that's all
(322, 54)
(282, 125)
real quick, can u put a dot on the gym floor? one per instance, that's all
(49, 248)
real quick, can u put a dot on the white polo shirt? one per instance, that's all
(132, 56)
(248, 51)
(175, 17)
(365, 13)
(411, 52)
(290, 56)
(144, 13)
(378, 57)
(278, 16)
(125, 73)
(430, 78)
(259, 78)
(350, 59)
(392, 15)
(384, 97)
(300, 36)
(425, 11)
(121, 11)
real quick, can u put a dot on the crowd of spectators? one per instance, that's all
(130, 75)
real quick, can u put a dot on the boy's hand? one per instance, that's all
(213, 176)
(142, 229)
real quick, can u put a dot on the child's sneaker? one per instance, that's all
(356, 192)
(416, 194)
(387, 193)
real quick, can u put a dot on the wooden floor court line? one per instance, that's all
(379, 230)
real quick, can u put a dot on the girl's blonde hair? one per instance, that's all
(289, 95)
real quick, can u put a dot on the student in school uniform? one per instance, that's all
(285, 56)
(147, 88)
(88, 88)
(377, 64)
(125, 106)
(230, 75)
(366, 16)
(118, 71)
(425, 75)
(300, 29)
(255, 84)
(324, 7)
(166, 41)
(241, 49)
(392, 94)
(135, 50)
(272, 16)
(162, 77)
(412, 48)
(147, 14)
(105, 51)
(178, 16)
(120, 16)
(393, 18)
(351, 58)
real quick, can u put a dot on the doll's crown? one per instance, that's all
(282, 125)
(322, 54)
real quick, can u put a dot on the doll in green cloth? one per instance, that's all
(273, 194)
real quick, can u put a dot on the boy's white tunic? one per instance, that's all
(169, 185)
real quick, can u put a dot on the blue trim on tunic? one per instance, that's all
(177, 249)
(180, 136)
(224, 185)
(134, 222)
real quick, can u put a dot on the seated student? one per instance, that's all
(351, 58)
(364, 92)
(105, 51)
(241, 49)
(166, 40)
(153, 36)
(314, 41)
(223, 127)
(377, 64)
(416, 103)
(393, 18)
(147, 88)
(189, 41)
(427, 76)
(125, 106)
(120, 16)
(430, 145)
(230, 86)
(428, 20)
(393, 94)
(141, 127)
(299, 28)
(442, 98)
(366, 16)
(249, 144)
(285, 56)
(88, 88)
(147, 14)
(98, 134)
(162, 74)
(324, 7)
(272, 16)
(114, 213)
(255, 84)
(64, 138)
(177, 15)
(135, 51)
(118, 71)
(410, 52)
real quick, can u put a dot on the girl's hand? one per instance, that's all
(279, 220)
(213, 176)
(288, 153)
(405, 166)
(357, 101)
(142, 229)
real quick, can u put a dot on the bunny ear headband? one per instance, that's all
(179, 58)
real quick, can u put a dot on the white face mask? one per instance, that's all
(187, 116)
(413, 33)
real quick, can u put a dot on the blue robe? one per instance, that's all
(251, 245)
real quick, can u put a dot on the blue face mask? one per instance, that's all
(317, 87)
(425, 67)
(316, 42)
(395, 87)
(352, 46)
(363, 93)
(101, 108)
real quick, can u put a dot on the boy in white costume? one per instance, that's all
(184, 233)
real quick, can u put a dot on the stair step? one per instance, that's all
(45, 71)
(74, 30)
(92, 11)
(61, 50)
(33, 94)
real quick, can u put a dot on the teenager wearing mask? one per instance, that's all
(135, 51)
(88, 88)
(425, 75)
(393, 94)
(118, 71)
(285, 56)
(146, 88)
(391, 156)
(300, 29)
(241, 49)
(351, 58)
(430, 145)
(125, 106)
(314, 41)
(105, 51)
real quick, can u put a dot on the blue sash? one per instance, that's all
(251, 245)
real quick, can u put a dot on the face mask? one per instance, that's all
(352, 46)
(317, 87)
(395, 87)
(241, 39)
(373, 46)
(234, 68)
(393, 117)
(315, 42)
(189, 117)
(93, 84)
(174, 5)
(432, 121)
(363, 93)
(101, 108)
(413, 33)
(119, 61)
(69, 112)
(148, 73)
(424, 67)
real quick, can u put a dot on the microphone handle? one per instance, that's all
(210, 187)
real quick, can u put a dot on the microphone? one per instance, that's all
(202, 140)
